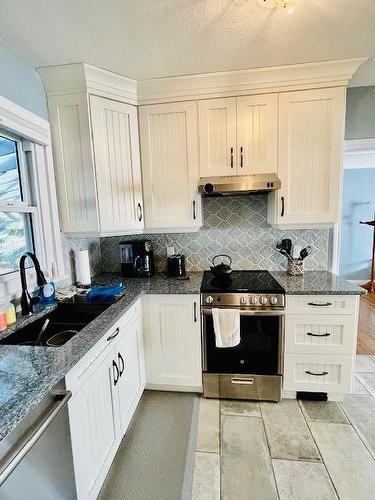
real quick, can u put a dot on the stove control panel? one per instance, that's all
(248, 300)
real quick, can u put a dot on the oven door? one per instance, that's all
(253, 368)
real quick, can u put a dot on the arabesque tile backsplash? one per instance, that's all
(235, 225)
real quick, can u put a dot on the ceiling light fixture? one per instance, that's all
(279, 3)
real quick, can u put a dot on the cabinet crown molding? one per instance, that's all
(81, 78)
(249, 81)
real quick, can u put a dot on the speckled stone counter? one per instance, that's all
(27, 374)
(316, 283)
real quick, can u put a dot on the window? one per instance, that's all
(28, 202)
(16, 208)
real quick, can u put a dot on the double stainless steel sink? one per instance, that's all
(70, 316)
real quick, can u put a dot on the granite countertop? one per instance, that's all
(316, 283)
(28, 373)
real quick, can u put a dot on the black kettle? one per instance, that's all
(221, 270)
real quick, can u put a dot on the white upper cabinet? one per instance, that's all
(169, 151)
(238, 135)
(217, 137)
(257, 134)
(96, 153)
(117, 164)
(311, 136)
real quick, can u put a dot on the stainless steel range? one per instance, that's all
(252, 369)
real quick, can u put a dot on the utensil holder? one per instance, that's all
(295, 267)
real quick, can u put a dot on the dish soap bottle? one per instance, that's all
(47, 293)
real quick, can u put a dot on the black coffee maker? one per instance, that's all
(137, 258)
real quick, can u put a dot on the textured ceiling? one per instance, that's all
(151, 38)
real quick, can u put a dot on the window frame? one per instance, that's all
(32, 135)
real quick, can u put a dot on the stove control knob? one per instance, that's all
(243, 301)
(273, 301)
(253, 300)
(263, 301)
(209, 299)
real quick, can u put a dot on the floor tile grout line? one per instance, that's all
(317, 447)
(269, 452)
(359, 434)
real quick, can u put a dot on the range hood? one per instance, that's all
(238, 184)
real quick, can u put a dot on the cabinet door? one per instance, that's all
(95, 429)
(131, 365)
(311, 137)
(117, 165)
(217, 137)
(72, 155)
(257, 134)
(173, 342)
(169, 147)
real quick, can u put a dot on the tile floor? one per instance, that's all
(291, 450)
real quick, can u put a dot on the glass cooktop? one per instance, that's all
(241, 281)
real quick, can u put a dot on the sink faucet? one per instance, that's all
(27, 302)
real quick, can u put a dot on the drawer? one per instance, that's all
(320, 333)
(318, 373)
(85, 367)
(321, 304)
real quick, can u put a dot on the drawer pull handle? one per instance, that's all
(318, 334)
(316, 374)
(243, 381)
(114, 334)
(326, 304)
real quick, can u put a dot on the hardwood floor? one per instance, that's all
(366, 329)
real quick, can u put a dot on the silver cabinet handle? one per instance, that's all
(318, 334)
(195, 312)
(231, 157)
(316, 374)
(194, 210)
(140, 213)
(31, 436)
(242, 381)
(114, 334)
(241, 157)
(325, 304)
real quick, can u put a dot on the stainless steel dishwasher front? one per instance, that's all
(36, 458)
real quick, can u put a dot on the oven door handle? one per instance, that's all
(206, 311)
(242, 381)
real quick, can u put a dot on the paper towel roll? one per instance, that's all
(83, 267)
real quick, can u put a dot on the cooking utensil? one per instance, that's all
(42, 330)
(283, 251)
(287, 244)
(221, 270)
(305, 252)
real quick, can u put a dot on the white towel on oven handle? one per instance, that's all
(226, 327)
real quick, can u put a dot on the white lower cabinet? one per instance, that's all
(130, 361)
(320, 343)
(173, 342)
(107, 385)
(95, 429)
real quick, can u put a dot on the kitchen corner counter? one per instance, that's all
(28, 373)
(316, 283)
